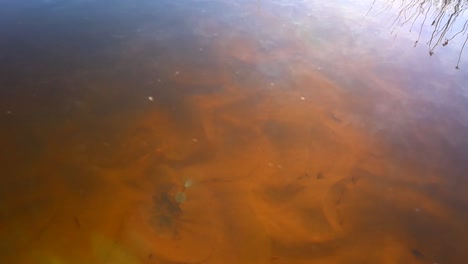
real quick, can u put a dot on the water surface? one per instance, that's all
(215, 131)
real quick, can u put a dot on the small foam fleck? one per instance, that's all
(188, 183)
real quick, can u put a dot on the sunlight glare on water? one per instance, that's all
(240, 131)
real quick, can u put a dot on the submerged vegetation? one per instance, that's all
(440, 15)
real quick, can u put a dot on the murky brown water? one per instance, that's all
(183, 132)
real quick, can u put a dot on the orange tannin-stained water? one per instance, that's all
(226, 132)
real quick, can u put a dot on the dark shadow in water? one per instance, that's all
(167, 211)
(441, 14)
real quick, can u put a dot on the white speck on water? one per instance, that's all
(272, 84)
(8, 112)
(159, 80)
(195, 140)
(201, 49)
(150, 98)
(309, 14)
(302, 98)
(177, 73)
(188, 183)
(319, 68)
